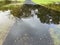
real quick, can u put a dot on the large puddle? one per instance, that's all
(31, 25)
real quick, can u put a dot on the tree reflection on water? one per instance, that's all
(44, 14)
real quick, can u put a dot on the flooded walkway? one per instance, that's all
(5, 24)
(29, 31)
(31, 25)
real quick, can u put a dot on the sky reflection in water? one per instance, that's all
(40, 23)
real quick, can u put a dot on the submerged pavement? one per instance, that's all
(29, 31)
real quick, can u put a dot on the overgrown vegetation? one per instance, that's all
(4, 2)
(53, 6)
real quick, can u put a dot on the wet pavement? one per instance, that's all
(32, 26)
(29, 31)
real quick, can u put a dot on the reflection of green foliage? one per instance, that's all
(16, 11)
(24, 10)
(44, 14)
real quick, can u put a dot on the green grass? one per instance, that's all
(13, 4)
(49, 4)
(53, 6)
(45, 1)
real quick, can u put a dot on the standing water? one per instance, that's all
(31, 25)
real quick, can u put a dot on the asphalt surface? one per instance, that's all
(29, 2)
(29, 32)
